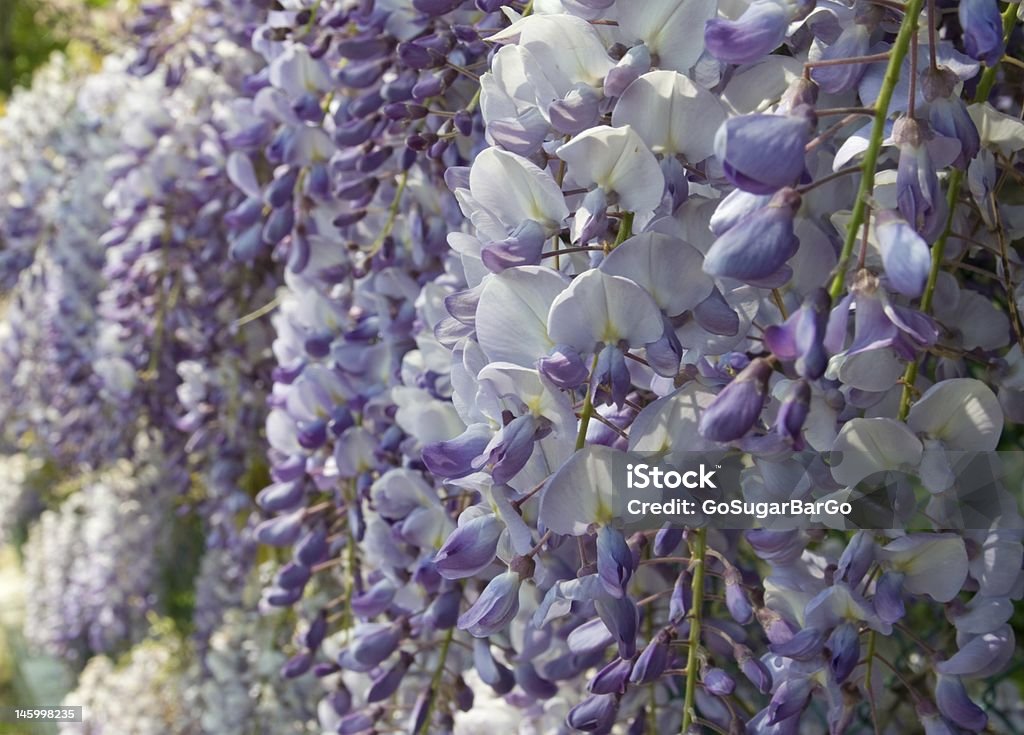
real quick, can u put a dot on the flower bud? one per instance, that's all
(803, 646)
(387, 683)
(596, 713)
(759, 245)
(793, 413)
(496, 676)
(917, 183)
(755, 671)
(533, 683)
(844, 651)
(612, 678)
(956, 706)
(667, 540)
(736, 599)
(717, 682)
(762, 153)
(855, 40)
(682, 598)
(759, 31)
(495, 608)
(983, 30)
(614, 561)
(652, 661)
(564, 367)
(470, 548)
(790, 698)
(736, 409)
(522, 247)
(888, 598)
(374, 601)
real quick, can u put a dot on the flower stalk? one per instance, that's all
(956, 178)
(698, 552)
(867, 182)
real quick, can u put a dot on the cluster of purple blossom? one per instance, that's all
(132, 382)
(500, 246)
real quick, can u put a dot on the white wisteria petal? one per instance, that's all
(933, 564)
(757, 87)
(979, 322)
(672, 29)
(672, 421)
(509, 95)
(874, 445)
(963, 413)
(424, 417)
(672, 114)
(998, 129)
(243, 174)
(580, 493)
(983, 614)
(668, 268)
(512, 317)
(281, 432)
(997, 566)
(517, 386)
(567, 48)
(981, 655)
(616, 159)
(742, 300)
(873, 371)
(839, 604)
(296, 70)
(598, 307)
(514, 190)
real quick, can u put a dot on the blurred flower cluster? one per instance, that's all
(391, 288)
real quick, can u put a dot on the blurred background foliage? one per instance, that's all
(31, 30)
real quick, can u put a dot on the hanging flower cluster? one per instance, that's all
(395, 289)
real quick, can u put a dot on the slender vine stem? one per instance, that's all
(435, 681)
(697, 564)
(396, 202)
(625, 229)
(956, 178)
(872, 640)
(867, 182)
(588, 409)
(587, 412)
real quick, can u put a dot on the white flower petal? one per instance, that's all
(934, 564)
(512, 318)
(598, 307)
(668, 268)
(672, 114)
(515, 190)
(579, 494)
(616, 159)
(873, 445)
(672, 29)
(963, 413)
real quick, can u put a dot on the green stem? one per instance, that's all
(588, 410)
(697, 554)
(956, 179)
(625, 229)
(389, 225)
(867, 680)
(435, 680)
(867, 182)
